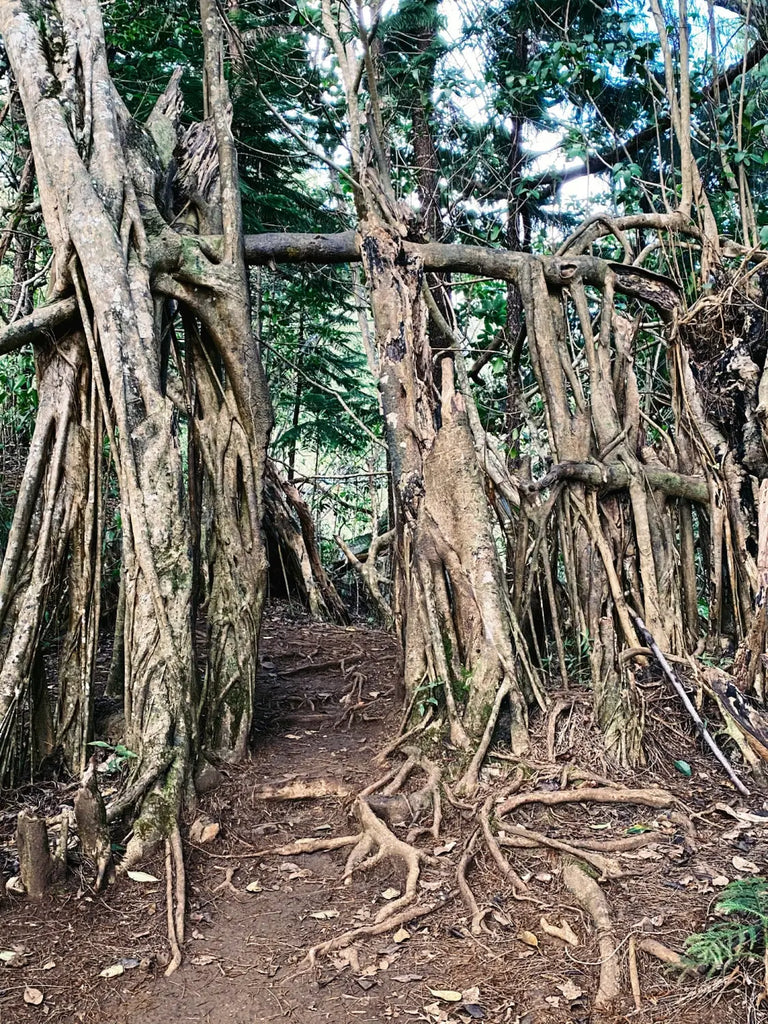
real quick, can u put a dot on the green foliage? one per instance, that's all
(739, 939)
(120, 754)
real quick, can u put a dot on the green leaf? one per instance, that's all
(684, 768)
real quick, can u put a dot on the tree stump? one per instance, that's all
(35, 863)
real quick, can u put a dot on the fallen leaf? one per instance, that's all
(49, 965)
(570, 990)
(369, 971)
(15, 884)
(552, 1000)
(254, 887)
(204, 829)
(475, 1011)
(446, 848)
(565, 933)
(141, 876)
(11, 957)
(543, 876)
(448, 995)
(501, 919)
(720, 881)
(431, 886)
(528, 938)
(365, 983)
(112, 972)
(33, 996)
(202, 961)
(390, 894)
(196, 934)
(324, 915)
(401, 935)
(292, 736)
(406, 979)
(471, 995)
(745, 865)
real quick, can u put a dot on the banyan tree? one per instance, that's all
(642, 406)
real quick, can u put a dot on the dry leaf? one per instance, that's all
(202, 961)
(369, 971)
(204, 829)
(15, 884)
(112, 972)
(33, 996)
(448, 995)
(720, 881)
(48, 966)
(141, 876)
(471, 995)
(745, 865)
(528, 938)
(324, 915)
(446, 848)
(390, 894)
(11, 957)
(570, 990)
(565, 933)
(430, 886)
(401, 935)
(543, 876)
(552, 1000)
(254, 887)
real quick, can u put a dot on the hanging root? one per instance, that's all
(590, 896)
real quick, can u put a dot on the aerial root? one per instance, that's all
(591, 897)
(175, 897)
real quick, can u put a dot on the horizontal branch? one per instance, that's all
(341, 247)
(500, 264)
(300, 247)
(616, 477)
(42, 322)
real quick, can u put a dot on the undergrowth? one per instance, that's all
(741, 938)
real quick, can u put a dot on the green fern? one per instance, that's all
(742, 938)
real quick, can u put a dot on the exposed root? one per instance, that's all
(175, 897)
(607, 867)
(589, 894)
(468, 783)
(651, 797)
(466, 893)
(390, 748)
(492, 843)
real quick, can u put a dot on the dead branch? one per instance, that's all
(695, 716)
(651, 797)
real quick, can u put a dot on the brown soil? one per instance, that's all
(245, 950)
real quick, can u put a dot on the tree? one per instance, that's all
(628, 478)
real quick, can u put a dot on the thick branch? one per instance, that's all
(42, 322)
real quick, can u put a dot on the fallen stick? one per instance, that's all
(634, 977)
(660, 951)
(695, 716)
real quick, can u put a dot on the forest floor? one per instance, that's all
(326, 707)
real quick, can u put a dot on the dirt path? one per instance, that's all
(326, 705)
